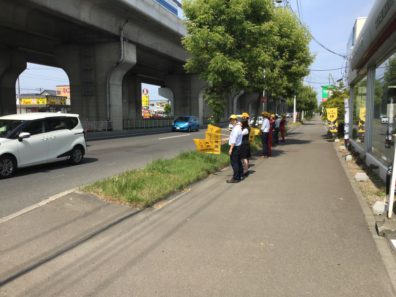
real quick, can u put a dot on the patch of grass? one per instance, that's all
(144, 187)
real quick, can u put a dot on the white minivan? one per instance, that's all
(37, 138)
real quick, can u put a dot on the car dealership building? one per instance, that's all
(372, 82)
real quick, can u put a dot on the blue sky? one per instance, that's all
(330, 21)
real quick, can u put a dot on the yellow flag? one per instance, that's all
(332, 114)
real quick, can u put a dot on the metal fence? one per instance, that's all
(148, 123)
(95, 126)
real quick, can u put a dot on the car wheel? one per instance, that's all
(7, 166)
(76, 155)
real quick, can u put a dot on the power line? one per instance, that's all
(314, 38)
(299, 10)
(316, 82)
(334, 69)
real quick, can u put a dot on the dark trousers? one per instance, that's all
(276, 135)
(236, 163)
(264, 141)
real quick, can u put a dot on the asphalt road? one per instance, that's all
(293, 228)
(104, 158)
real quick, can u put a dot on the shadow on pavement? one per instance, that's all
(50, 167)
(294, 141)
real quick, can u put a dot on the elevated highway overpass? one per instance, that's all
(106, 47)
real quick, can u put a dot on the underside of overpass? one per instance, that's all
(105, 67)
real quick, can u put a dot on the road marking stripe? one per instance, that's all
(34, 206)
(173, 137)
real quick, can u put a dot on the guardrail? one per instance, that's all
(147, 123)
(95, 126)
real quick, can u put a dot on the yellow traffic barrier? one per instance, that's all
(253, 133)
(212, 142)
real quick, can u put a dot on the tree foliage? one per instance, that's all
(244, 45)
(336, 100)
(306, 99)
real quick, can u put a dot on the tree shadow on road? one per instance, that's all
(50, 167)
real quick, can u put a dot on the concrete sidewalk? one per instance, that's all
(294, 228)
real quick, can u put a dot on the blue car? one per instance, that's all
(185, 123)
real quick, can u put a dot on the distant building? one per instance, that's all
(157, 108)
(45, 101)
(170, 5)
(64, 91)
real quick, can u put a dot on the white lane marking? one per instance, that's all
(173, 136)
(34, 206)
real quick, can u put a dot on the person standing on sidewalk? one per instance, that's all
(271, 134)
(245, 147)
(235, 142)
(282, 127)
(277, 128)
(265, 128)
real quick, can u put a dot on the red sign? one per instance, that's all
(264, 99)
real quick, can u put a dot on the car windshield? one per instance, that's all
(182, 119)
(7, 127)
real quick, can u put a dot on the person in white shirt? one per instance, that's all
(235, 142)
(265, 128)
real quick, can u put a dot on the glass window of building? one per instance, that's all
(359, 111)
(385, 110)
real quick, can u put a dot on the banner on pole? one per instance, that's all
(332, 117)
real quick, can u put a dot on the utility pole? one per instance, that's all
(295, 109)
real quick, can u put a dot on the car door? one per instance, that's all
(60, 137)
(34, 149)
(196, 123)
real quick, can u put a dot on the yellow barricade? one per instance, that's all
(212, 142)
(253, 133)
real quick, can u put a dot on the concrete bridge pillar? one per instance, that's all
(96, 74)
(132, 97)
(12, 64)
(186, 90)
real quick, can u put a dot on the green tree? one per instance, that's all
(244, 44)
(306, 100)
(167, 109)
(291, 58)
(336, 100)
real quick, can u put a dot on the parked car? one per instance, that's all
(186, 123)
(37, 138)
(289, 115)
(384, 119)
(259, 121)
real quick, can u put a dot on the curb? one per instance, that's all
(382, 244)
